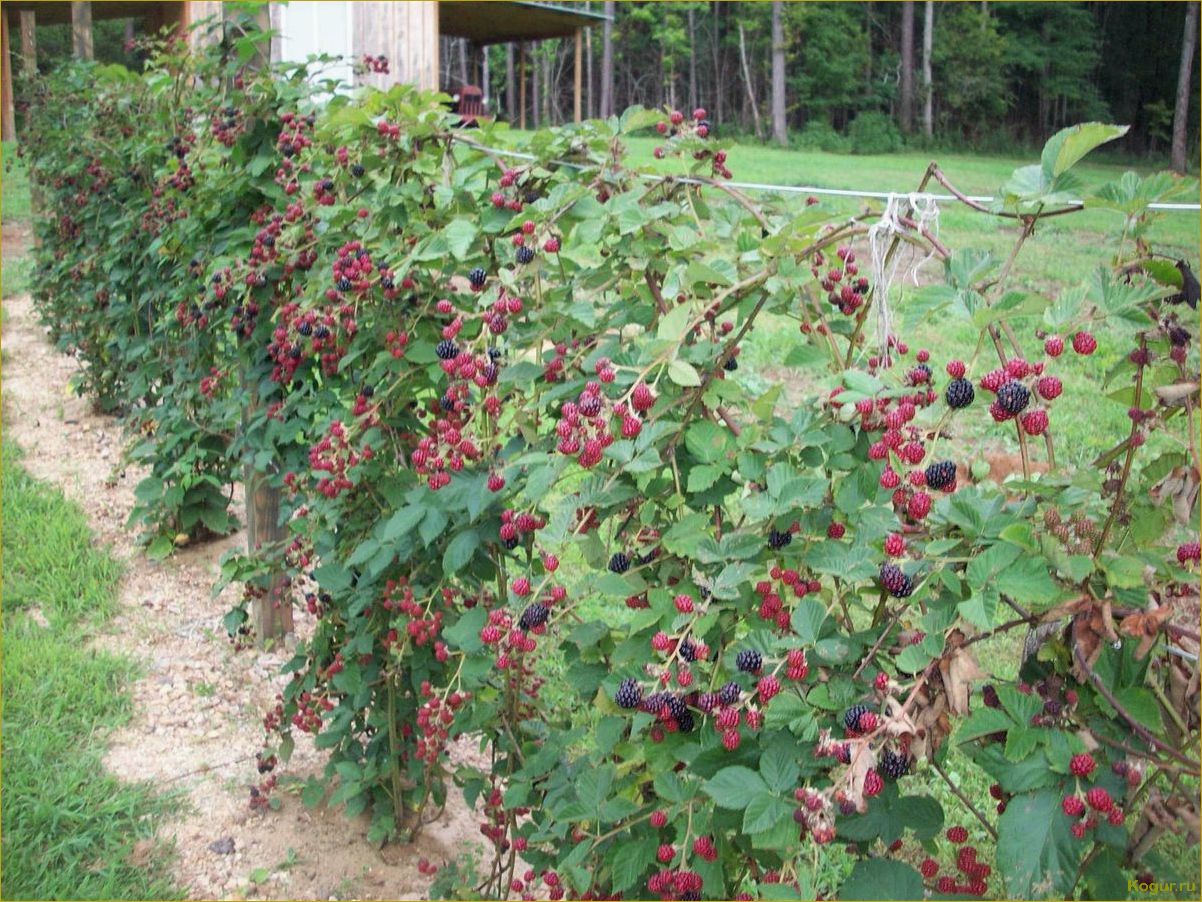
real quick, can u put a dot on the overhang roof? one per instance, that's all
(502, 22)
(58, 13)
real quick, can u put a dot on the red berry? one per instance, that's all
(1054, 346)
(929, 867)
(1034, 422)
(1049, 388)
(731, 739)
(956, 369)
(684, 604)
(665, 853)
(873, 783)
(946, 885)
(836, 531)
(1082, 765)
(957, 835)
(551, 246)
(1099, 799)
(895, 545)
(919, 505)
(1116, 817)
(658, 819)
(1084, 343)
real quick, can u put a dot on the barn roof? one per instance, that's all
(502, 22)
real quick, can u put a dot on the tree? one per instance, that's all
(928, 99)
(1181, 115)
(907, 67)
(607, 61)
(779, 124)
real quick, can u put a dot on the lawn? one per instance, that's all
(70, 831)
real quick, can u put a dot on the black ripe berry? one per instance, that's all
(729, 694)
(777, 539)
(688, 651)
(357, 171)
(477, 277)
(525, 255)
(344, 284)
(447, 350)
(896, 581)
(619, 563)
(511, 544)
(959, 393)
(851, 718)
(732, 364)
(893, 765)
(1013, 397)
(534, 616)
(629, 694)
(941, 475)
(447, 403)
(749, 661)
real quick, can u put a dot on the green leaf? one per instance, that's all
(1141, 704)
(1036, 854)
(707, 441)
(464, 634)
(160, 548)
(879, 878)
(1020, 742)
(732, 787)
(459, 551)
(983, 722)
(403, 521)
(685, 535)
(922, 814)
(778, 767)
(683, 373)
(460, 235)
(703, 477)
(1069, 145)
(675, 325)
(913, 659)
(627, 861)
(807, 620)
(764, 812)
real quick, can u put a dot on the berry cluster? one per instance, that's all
(971, 877)
(335, 455)
(845, 288)
(772, 606)
(583, 427)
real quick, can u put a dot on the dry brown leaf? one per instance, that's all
(863, 759)
(1177, 394)
(1145, 627)
(959, 668)
(1179, 489)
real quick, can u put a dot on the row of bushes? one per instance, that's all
(525, 499)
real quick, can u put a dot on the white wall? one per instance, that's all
(311, 28)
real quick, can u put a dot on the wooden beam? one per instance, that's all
(81, 30)
(576, 73)
(522, 86)
(29, 42)
(8, 121)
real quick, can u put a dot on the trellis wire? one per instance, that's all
(810, 189)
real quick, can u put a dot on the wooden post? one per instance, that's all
(577, 73)
(29, 42)
(8, 121)
(271, 614)
(522, 85)
(81, 29)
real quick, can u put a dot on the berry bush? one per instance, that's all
(702, 640)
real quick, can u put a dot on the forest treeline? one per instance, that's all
(981, 74)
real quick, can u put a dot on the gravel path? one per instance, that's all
(199, 704)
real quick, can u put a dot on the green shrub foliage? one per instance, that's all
(699, 635)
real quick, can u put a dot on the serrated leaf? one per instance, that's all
(1036, 854)
(675, 325)
(778, 767)
(764, 812)
(734, 786)
(460, 235)
(683, 373)
(879, 878)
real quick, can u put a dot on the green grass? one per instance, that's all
(14, 198)
(68, 827)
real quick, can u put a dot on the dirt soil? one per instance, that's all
(199, 704)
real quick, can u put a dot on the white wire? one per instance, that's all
(833, 192)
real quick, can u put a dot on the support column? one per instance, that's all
(8, 121)
(271, 614)
(29, 42)
(81, 30)
(577, 72)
